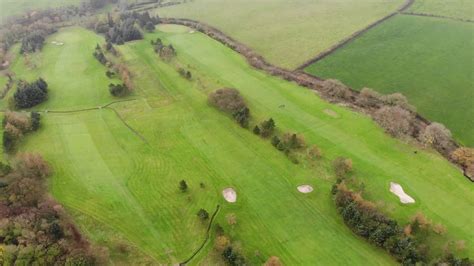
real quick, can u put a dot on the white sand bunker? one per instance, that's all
(398, 190)
(229, 195)
(57, 43)
(305, 189)
(191, 31)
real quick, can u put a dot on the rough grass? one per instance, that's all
(286, 33)
(75, 78)
(10, 8)
(110, 178)
(427, 59)
(460, 9)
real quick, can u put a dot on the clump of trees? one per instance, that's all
(34, 229)
(407, 244)
(118, 90)
(166, 52)
(230, 254)
(99, 55)
(126, 27)
(32, 42)
(16, 125)
(336, 90)
(230, 101)
(342, 166)
(30, 94)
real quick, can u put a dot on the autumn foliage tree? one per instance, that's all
(395, 120)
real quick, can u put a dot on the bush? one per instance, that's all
(232, 257)
(256, 130)
(395, 120)
(438, 136)
(183, 186)
(342, 166)
(32, 42)
(369, 98)
(275, 141)
(99, 55)
(242, 117)
(31, 94)
(398, 99)
(203, 214)
(227, 100)
(463, 156)
(314, 152)
(289, 142)
(273, 261)
(118, 90)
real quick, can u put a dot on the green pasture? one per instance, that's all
(10, 8)
(427, 59)
(286, 33)
(459, 9)
(111, 178)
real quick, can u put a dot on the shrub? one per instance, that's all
(342, 166)
(314, 152)
(19, 120)
(275, 141)
(99, 55)
(398, 99)
(32, 165)
(242, 117)
(232, 257)
(395, 120)
(335, 89)
(290, 141)
(369, 98)
(203, 214)
(273, 261)
(183, 186)
(30, 94)
(463, 156)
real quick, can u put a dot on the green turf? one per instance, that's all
(10, 8)
(75, 78)
(460, 9)
(286, 33)
(427, 59)
(110, 178)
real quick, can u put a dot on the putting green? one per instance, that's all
(110, 178)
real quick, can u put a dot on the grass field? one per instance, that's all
(76, 80)
(119, 187)
(286, 33)
(17, 7)
(427, 59)
(460, 9)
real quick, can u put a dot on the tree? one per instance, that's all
(227, 99)
(395, 120)
(256, 130)
(221, 243)
(183, 186)
(335, 89)
(30, 94)
(268, 127)
(314, 152)
(35, 120)
(203, 214)
(150, 27)
(369, 98)
(275, 141)
(242, 116)
(463, 156)
(118, 90)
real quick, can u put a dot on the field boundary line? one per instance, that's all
(128, 126)
(437, 16)
(354, 35)
(205, 239)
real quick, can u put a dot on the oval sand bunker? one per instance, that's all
(398, 190)
(305, 189)
(229, 195)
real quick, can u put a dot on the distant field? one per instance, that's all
(427, 59)
(17, 7)
(462, 9)
(287, 33)
(122, 190)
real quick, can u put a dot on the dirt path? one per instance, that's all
(356, 34)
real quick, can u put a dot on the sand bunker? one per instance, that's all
(57, 43)
(331, 113)
(398, 190)
(229, 195)
(305, 189)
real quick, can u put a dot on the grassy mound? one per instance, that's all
(125, 190)
(286, 33)
(423, 58)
